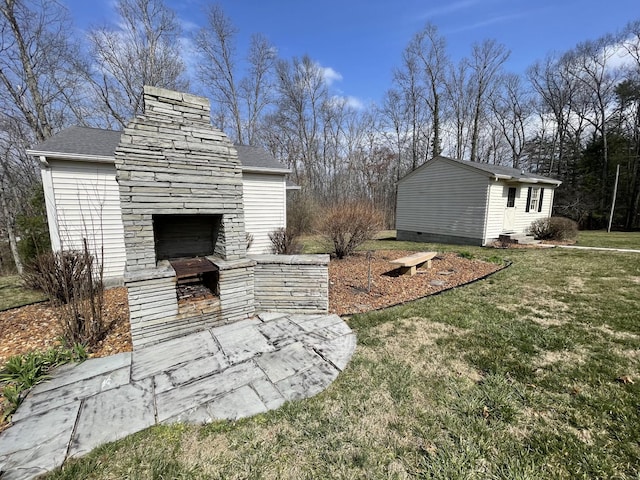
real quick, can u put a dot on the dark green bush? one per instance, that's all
(554, 228)
(33, 228)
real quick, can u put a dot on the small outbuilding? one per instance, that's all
(83, 201)
(469, 203)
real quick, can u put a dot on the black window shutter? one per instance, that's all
(540, 199)
(526, 209)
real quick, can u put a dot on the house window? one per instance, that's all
(511, 197)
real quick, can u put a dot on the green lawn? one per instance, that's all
(14, 294)
(600, 238)
(513, 377)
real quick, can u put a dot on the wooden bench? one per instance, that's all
(409, 263)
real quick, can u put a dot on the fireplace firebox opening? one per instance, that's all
(185, 236)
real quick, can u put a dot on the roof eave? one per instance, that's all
(72, 156)
(274, 171)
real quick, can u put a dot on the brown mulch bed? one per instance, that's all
(349, 280)
(35, 327)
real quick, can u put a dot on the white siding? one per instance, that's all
(265, 208)
(525, 219)
(87, 204)
(444, 199)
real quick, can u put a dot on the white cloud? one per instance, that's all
(330, 75)
(451, 8)
(355, 103)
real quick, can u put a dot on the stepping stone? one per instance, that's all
(37, 444)
(76, 372)
(152, 360)
(187, 372)
(241, 345)
(287, 362)
(280, 332)
(191, 395)
(40, 401)
(338, 350)
(112, 415)
(308, 383)
(437, 283)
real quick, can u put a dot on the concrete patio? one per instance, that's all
(228, 372)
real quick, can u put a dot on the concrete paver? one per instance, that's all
(228, 372)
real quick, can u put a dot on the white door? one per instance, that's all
(509, 221)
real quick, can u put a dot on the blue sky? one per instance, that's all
(362, 40)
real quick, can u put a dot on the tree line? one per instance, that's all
(573, 115)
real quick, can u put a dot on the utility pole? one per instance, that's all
(613, 202)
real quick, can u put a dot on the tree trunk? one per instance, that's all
(13, 243)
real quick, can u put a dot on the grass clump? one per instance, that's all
(22, 372)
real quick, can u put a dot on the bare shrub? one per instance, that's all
(350, 224)
(284, 241)
(554, 228)
(72, 280)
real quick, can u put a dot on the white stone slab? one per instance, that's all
(240, 403)
(38, 443)
(112, 415)
(269, 316)
(152, 360)
(313, 322)
(38, 402)
(268, 393)
(281, 331)
(191, 395)
(191, 371)
(308, 383)
(338, 350)
(287, 361)
(241, 345)
(75, 372)
(232, 327)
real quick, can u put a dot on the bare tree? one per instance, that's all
(512, 108)
(38, 89)
(256, 88)
(408, 80)
(302, 94)
(143, 49)
(485, 63)
(430, 49)
(216, 44)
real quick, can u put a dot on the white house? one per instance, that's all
(82, 195)
(456, 201)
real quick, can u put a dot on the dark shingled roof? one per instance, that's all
(498, 170)
(102, 142)
(82, 141)
(257, 157)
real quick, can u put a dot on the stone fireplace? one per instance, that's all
(182, 210)
(181, 198)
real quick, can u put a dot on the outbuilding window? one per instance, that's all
(535, 196)
(511, 197)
